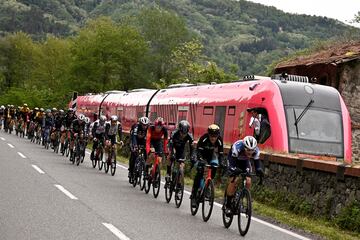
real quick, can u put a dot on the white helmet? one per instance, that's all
(114, 118)
(144, 120)
(87, 120)
(102, 119)
(2, 107)
(250, 142)
(81, 117)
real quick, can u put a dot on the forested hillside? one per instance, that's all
(56, 46)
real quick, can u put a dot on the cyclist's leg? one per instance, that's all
(197, 179)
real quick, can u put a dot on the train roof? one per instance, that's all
(300, 94)
(234, 91)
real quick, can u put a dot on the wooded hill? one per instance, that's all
(241, 36)
(50, 48)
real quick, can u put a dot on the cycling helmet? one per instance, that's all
(159, 122)
(36, 109)
(81, 117)
(214, 130)
(48, 111)
(102, 119)
(70, 110)
(87, 120)
(61, 111)
(114, 118)
(144, 121)
(25, 105)
(184, 126)
(54, 109)
(250, 142)
(2, 107)
(41, 109)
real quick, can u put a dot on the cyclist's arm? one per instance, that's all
(191, 145)
(134, 136)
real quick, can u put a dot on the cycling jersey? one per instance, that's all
(238, 159)
(98, 128)
(77, 126)
(112, 130)
(154, 138)
(207, 151)
(138, 134)
(178, 143)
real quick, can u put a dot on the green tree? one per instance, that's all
(107, 56)
(164, 31)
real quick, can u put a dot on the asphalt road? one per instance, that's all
(44, 196)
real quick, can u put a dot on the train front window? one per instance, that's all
(318, 132)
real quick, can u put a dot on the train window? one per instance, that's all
(231, 110)
(260, 122)
(208, 110)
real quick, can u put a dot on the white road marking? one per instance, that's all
(11, 145)
(21, 155)
(66, 192)
(116, 231)
(252, 218)
(121, 166)
(38, 169)
(2, 138)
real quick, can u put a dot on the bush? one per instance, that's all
(349, 217)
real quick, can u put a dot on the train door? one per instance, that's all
(220, 112)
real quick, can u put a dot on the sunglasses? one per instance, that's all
(249, 150)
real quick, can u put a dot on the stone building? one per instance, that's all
(337, 66)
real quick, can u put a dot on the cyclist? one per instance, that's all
(210, 149)
(67, 120)
(239, 159)
(48, 123)
(77, 128)
(2, 114)
(112, 128)
(25, 111)
(98, 133)
(58, 121)
(177, 143)
(153, 139)
(138, 139)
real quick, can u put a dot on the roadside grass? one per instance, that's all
(321, 227)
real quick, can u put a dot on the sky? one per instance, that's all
(343, 10)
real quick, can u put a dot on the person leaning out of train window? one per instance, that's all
(239, 161)
(137, 140)
(255, 121)
(177, 143)
(155, 133)
(210, 150)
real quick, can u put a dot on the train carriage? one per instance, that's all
(305, 118)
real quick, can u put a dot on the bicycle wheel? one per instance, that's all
(93, 162)
(107, 164)
(72, 156)
(113, 164)
(67, 149)
(208, 202)
(147, 183)
(194, 208)
(168, 191)
(227, 219)
(244, 212)
(142, 181)
(101, 163)
(157, 182)
(77, 155)
(179, 189)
